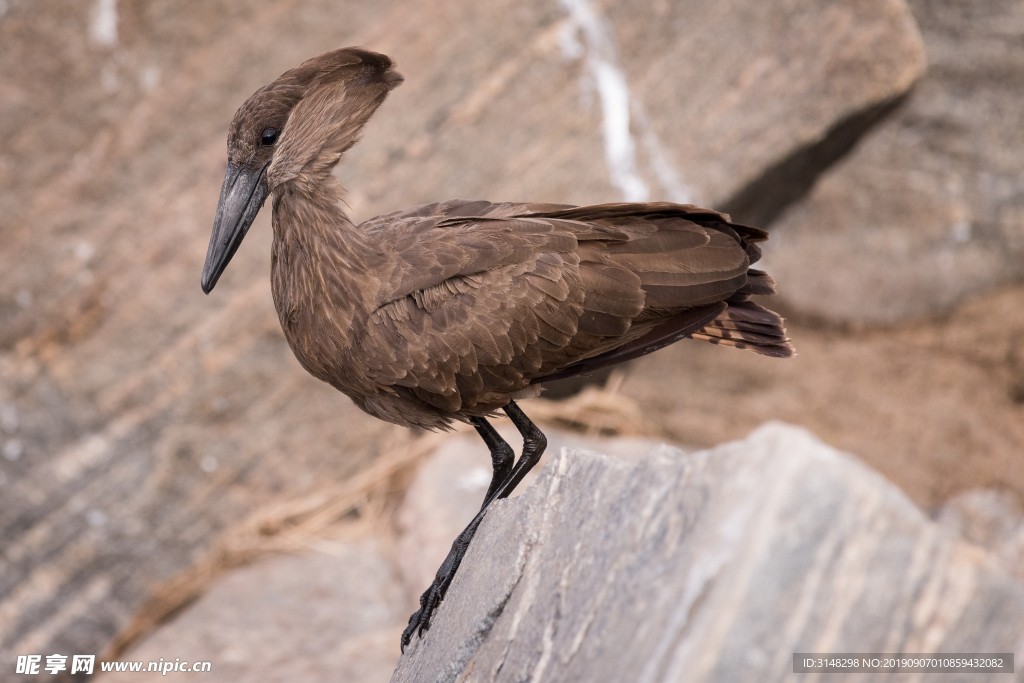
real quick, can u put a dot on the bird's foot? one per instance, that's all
(432, 597)
(420, 620)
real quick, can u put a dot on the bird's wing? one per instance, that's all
(693, 264)
(471, 307)
(431, 243)
(475, 306)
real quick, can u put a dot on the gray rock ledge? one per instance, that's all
(715, 565)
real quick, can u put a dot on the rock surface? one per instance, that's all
(716, 565)
(936, 406)
(779, 517)
(449, 487)
(141, 418)
(992, 519)
(654, 95)
(335, 614)
(929, 207)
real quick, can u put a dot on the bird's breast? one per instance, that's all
(318, 319)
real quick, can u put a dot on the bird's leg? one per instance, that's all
(502, 455)
(534, 443)
(503, 481)
(502, 459)
(420, 620)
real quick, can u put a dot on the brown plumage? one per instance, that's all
(448, 311)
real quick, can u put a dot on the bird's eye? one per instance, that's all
(269, 137)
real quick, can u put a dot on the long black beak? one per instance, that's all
(241, 198)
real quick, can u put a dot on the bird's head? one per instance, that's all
(293, 131)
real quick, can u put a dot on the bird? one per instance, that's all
(453, 311)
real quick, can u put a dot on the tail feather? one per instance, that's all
(757, 328)
(745, 325)
(687, 280)
(758, 283)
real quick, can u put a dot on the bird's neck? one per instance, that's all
(319, 256)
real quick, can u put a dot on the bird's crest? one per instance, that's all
(305, 120)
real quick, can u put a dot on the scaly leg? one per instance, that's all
(534, 443)
(502, 455)
(503, 481)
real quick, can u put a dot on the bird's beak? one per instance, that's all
(241, 197)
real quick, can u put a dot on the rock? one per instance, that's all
(936, 406)
(674, 109)
(331, 615)
(716, 565)
(150, 417)
(337, 613)
(449, 487)
(992, 519)
(927, 210)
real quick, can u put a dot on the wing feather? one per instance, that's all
(479, 300)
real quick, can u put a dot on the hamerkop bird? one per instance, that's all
(450, 311)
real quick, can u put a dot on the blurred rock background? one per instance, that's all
(153, 438)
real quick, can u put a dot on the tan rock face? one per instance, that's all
(692, 101)
(148, 417)
(333, 614)
(935, 406)
(928, 209)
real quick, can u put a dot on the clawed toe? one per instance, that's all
(420, 620)
(432, 597)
